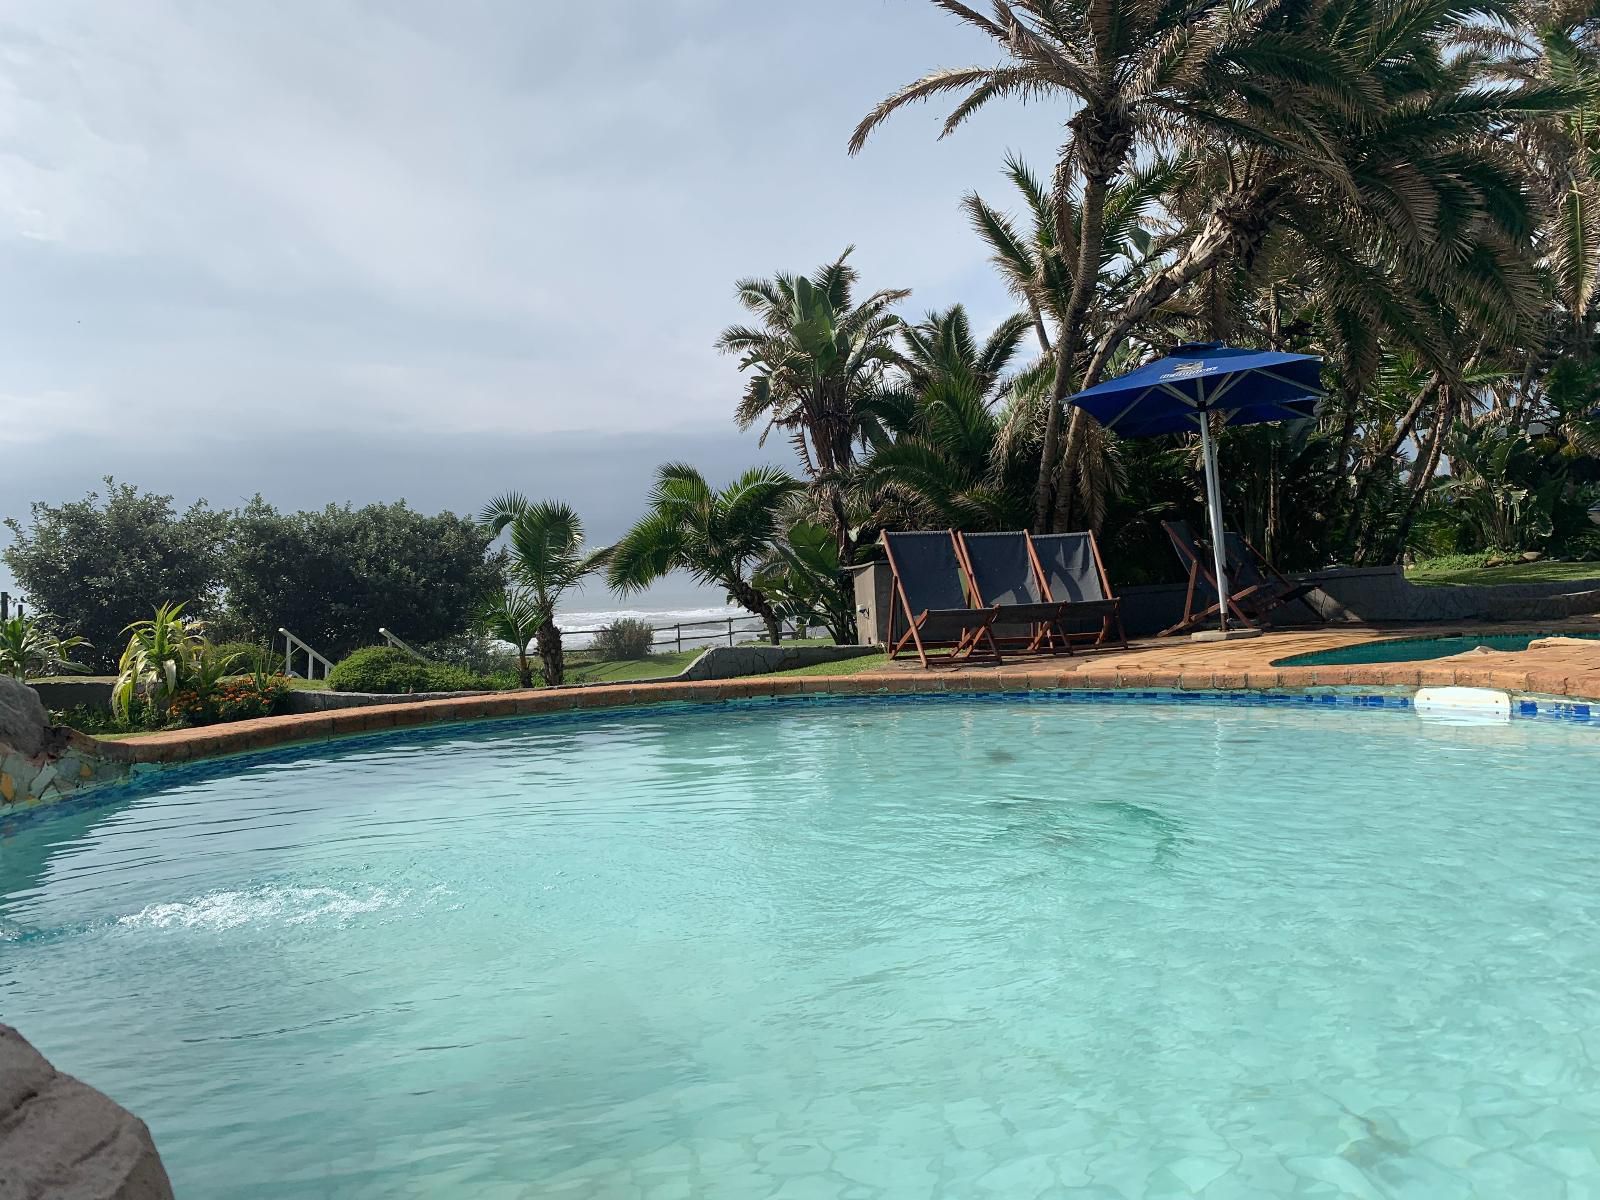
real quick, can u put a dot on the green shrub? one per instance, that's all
(624, 641)
(386, 670)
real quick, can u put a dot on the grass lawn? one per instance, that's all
(1454, 571)
(850, 666)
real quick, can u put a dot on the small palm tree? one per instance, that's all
(514, 616)
(718, 537)
(30, 649)
(547, 559)
(814, 362)
(159, 660)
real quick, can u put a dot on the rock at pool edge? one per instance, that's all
(62, 1140)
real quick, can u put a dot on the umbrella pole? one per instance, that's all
(1208, 450)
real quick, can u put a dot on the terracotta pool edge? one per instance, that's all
(191, 745)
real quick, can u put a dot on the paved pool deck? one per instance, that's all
(1569, 669)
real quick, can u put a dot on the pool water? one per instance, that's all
(958, 949)
(1395, 650)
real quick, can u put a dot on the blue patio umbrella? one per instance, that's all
(1180, 393)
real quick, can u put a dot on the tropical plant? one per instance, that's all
(31, 649)
(1501, 493)
(954, 454)
(514, 616)
(716, 536)
(1342, 147)
(161, 658)
(806, 583)
(814, 362)
(548, 559)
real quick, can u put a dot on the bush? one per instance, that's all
(624, 640)
(389, 671)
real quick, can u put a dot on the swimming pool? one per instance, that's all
(954, 949)
(1395, 650)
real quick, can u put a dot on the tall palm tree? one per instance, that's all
(816, 358)
(1133, 70)
(718, 537)
(548, 558)
(1556, 43)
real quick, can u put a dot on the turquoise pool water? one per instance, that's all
(1396, 650)
(960, 949)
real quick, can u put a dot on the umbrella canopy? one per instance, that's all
(1179, 393)
(1168, 395)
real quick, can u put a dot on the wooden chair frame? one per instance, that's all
(975, 625)
(1048, 635)
(1110, 620)
(1242, 604)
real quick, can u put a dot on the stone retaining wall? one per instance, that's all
(735, 662)
(41, 763)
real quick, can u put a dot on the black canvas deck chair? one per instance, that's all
(930, 609)
(1255, 587)
(1004, 572)
(1075, 578)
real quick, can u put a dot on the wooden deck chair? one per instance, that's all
(1075, 577)
(1003, 572)
(1255, 588)
(930, 602)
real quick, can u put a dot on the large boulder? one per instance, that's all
(62, 1140)
(24, 724)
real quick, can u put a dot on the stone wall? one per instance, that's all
(41, 763)
(734, 662)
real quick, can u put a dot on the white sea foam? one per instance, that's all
(263, 905)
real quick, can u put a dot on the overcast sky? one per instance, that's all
(337, 251)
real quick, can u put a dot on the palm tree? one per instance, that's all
(547, 559)
(941, 349)
(1135, 71)
(1554, 44)
(512, 615)
(814, 361)
(718, 537)
(943, 458)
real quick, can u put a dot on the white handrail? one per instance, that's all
(292, 646)
(399, 645)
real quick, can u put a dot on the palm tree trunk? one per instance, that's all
(1238, 223)
(1102, 147)
(524, 668)
(1424, 470)
(1358, 503)
(753, 599)
(548, 639)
